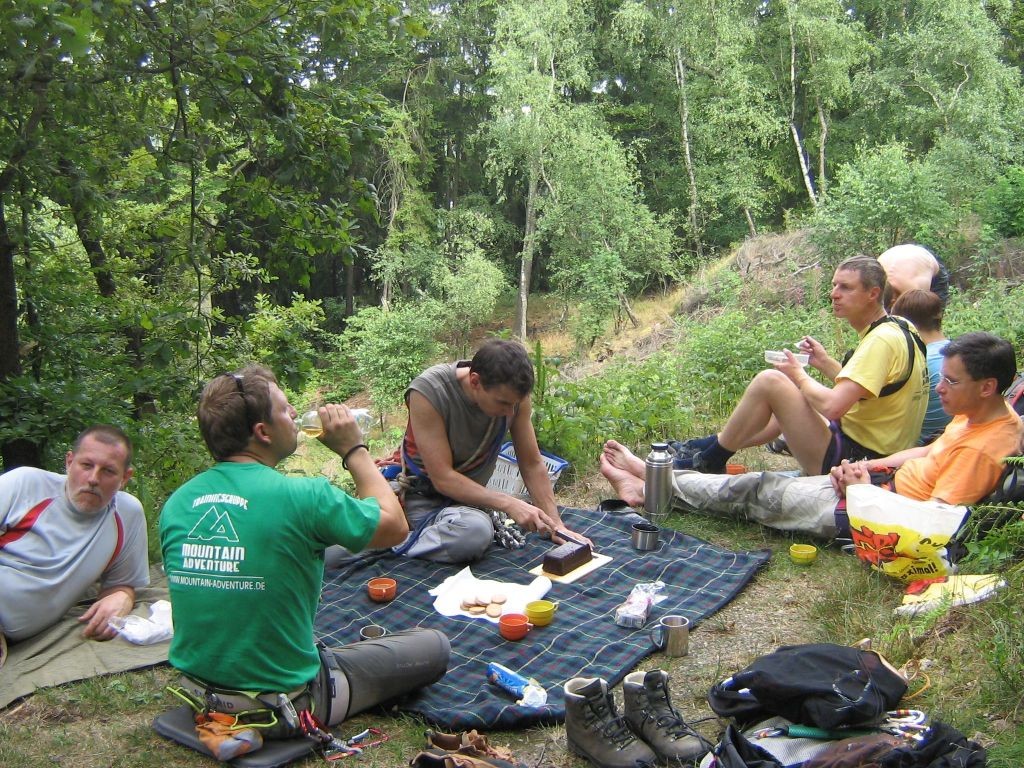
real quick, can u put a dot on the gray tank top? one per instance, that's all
(473, 436)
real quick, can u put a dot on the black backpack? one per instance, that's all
(821, 685)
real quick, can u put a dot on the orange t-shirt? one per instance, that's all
(964, 463)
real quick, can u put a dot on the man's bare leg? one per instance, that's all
(628, 487)
(771, 401)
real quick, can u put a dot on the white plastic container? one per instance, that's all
(776, 356)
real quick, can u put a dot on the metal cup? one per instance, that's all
(372, 632)
(672, 635)
(645, 536)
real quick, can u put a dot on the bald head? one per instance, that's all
(908, 267)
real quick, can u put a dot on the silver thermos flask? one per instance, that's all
(658, 483)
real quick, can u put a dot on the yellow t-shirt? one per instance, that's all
(964, 463)
(892, 423)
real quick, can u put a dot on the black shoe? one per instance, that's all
(701, 464)
(779, 446)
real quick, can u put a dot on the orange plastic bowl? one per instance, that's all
(382, 589)
(514, 626)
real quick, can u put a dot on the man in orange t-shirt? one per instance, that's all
(961, 467)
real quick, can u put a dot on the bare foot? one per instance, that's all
(620, 457)
(629, 488)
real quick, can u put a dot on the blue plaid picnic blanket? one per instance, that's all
(583, 640)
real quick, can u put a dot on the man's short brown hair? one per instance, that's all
(500, 361)
(107, 434)
(870, 271)
(922, 308)
(231, 405)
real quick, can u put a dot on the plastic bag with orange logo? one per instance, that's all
(902, 537)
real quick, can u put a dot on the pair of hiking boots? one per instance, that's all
(648, 732)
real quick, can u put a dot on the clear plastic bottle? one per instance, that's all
(310, 424)
(363, 418)
(658, 483)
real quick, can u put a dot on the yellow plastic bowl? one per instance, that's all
(803, 554)
(540, 612)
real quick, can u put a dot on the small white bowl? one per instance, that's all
(776, 356)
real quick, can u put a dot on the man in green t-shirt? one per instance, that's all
(243, 548)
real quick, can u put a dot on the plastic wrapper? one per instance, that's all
(634, 612)
(139, 631)
(528, 692)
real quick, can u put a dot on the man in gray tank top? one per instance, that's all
(459, 414)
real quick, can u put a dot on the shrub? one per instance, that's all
(391, 348)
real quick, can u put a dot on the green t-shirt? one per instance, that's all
(243, 552)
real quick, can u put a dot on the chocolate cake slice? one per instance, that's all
(566, 558)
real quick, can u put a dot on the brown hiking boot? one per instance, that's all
(594, 730)
(650, 715)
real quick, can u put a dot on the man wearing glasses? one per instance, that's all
(243, 549)
(962, 466)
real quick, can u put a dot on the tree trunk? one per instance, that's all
(823, 125)
(144, 403)
(19, 451)
(798, 142)
(526, 262)
(684, 130)
(751, 227)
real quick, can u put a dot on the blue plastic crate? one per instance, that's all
(507, 478)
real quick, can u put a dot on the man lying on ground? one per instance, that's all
(874, 408)
(961, 467)
(61, 534)
(243, 548)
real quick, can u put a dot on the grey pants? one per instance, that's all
(458, 534)
(361, 675)
(776, 500)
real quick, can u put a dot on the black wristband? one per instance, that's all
(349, 452)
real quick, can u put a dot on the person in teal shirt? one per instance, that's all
(924, 309)
(243, 548)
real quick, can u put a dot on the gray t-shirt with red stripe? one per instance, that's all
(50, 554)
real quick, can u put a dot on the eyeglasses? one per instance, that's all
(948, 381)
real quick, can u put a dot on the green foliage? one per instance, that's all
(1002, 204)
(391, 348)
(282, 337)
(633, 403)
(168, 452)
(469, 283)
(882, 198)
(991, 306)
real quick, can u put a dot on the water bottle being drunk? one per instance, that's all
(309, 423)
(658, 483)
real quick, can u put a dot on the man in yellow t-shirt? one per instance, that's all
(875, 405)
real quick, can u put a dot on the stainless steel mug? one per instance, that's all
(645, 536)
(372, 632)
(672, 635)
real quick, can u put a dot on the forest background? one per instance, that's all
(348, 192)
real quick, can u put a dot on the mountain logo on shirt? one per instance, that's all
(214, 525)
